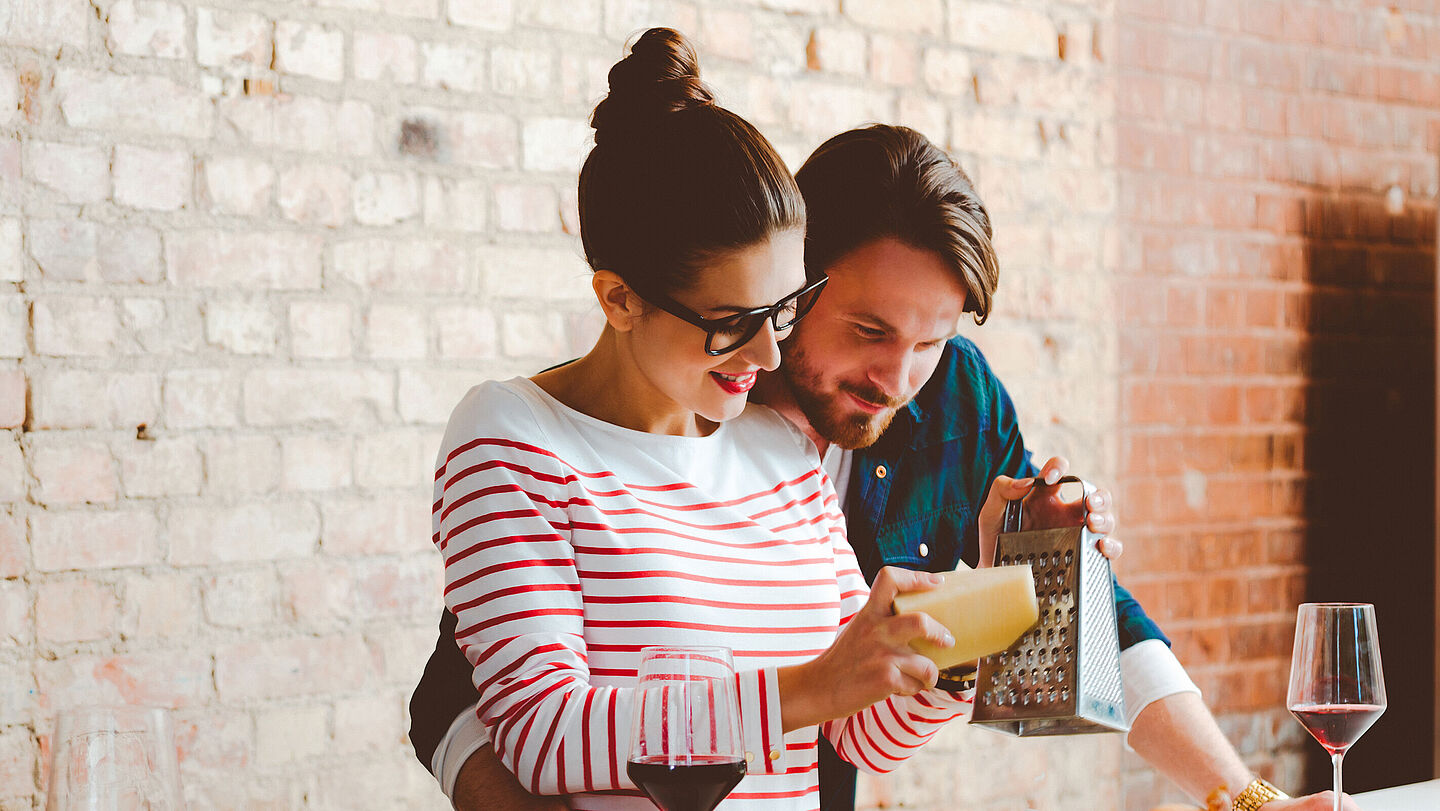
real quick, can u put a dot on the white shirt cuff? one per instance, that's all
(465, 737)
(1149, 672)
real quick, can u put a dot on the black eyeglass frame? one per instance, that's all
(753, 319)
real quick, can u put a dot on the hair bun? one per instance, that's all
(661, 75)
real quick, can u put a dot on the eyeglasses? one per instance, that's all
(727, 334)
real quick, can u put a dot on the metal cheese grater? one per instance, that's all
(1063, 676)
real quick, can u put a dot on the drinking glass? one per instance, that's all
(686, 753)
(114, 759)
(1337, 689)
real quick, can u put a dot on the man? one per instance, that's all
(913, 427)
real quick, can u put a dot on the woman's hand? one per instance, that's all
(869, 661)
(1099, 519)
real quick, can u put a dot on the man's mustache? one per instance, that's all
(872, 395)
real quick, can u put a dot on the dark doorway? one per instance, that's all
(1370, 459)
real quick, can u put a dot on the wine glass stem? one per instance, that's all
(1335, 758)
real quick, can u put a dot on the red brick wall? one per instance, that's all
(1275, 256)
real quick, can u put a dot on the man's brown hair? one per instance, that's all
(888, 181)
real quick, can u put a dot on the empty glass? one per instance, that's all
(114, 759)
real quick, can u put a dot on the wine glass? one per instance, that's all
(114, 759)
(1337, 689)
(685, 748)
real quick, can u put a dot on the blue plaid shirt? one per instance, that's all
(914, 495)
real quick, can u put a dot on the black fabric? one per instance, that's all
(443, 693)
(837, 780)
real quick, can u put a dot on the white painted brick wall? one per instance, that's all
(237, 185)
(233, 39)
(453, 66)
(76, 173)
(240, 598)
(72, 473)
(315, 194)
(310, 50)
(384, 56)
(147, 28)
(253, 253)
(156, 179)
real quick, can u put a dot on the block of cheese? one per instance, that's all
(986, 610)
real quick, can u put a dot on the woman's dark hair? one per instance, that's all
(674, 179)
(887, 181)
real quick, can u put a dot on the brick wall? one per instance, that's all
(1276, 268)
(252, 252)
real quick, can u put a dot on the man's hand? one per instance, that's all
(1324, 801)
(869, 661)
(1178, 736)
(484, 783)
(1048, 509)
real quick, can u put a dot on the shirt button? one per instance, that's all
(774, 755)
(749, 757)
(924, 551)
(880, 471)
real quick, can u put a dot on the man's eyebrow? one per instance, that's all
(874, 320)
(885, 326)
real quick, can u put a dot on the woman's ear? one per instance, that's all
(622, 307)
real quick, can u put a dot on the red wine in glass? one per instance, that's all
(1336, 726)
(1337, 689)
(696, 784)
(686, 753)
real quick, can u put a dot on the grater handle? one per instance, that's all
(1013, 508)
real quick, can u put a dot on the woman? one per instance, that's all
(630, 498)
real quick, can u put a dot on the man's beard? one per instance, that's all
(849, 430)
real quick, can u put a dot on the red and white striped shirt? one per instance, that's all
(571, 543)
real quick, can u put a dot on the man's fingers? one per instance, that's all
(1112, 548)
(1054, 469)
(1099, 501)
(1101, 523)
(1011, 489)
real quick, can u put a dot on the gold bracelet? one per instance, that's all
(1257, 794)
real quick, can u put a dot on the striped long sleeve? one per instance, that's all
(880, 737)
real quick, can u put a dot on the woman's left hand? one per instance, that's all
(1098, 504)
